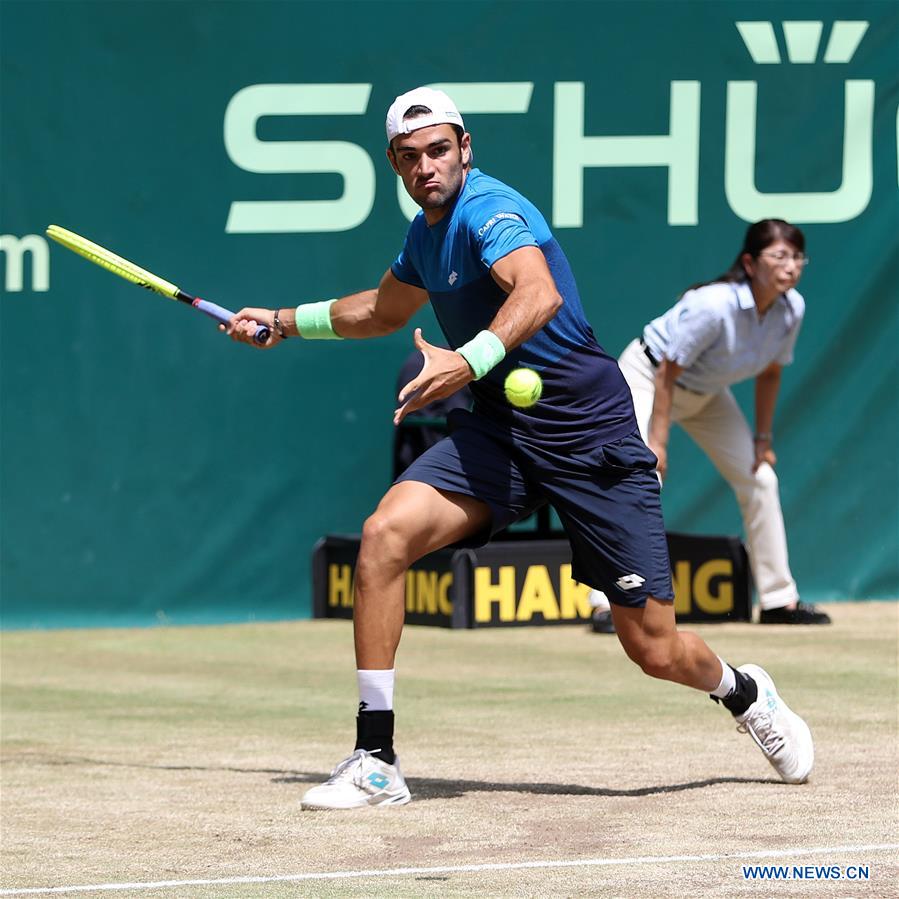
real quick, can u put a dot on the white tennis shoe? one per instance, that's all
(360, 780)
(780, 733)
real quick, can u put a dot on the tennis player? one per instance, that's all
(505, 297)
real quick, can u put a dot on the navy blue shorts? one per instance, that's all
(606, 496)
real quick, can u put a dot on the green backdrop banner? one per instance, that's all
(152, 470)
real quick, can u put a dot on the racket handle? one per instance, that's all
(220, 314)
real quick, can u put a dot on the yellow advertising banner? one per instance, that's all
(528, 582)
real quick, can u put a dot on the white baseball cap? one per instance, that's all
(443, 111)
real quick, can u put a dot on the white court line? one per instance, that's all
(455, 869)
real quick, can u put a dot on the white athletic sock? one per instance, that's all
(376, 689)
(728, 681)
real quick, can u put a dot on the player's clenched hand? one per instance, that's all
(443, 373)
(243, 325)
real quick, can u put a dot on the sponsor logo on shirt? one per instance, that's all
(496, 218)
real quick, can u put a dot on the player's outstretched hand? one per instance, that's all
(242, 327)
(443, 373)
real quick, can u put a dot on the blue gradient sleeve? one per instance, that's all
(499, 233)
(403, 269)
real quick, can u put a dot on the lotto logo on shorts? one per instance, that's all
(630, 581)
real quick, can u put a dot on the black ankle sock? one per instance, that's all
(745, 694)
(374, 733)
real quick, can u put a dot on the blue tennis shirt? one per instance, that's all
(585, 397)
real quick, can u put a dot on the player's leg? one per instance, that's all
(411, 520)
(651, 638)
(721, 430)
(614, 520)
(459, 490)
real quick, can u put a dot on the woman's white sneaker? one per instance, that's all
(360, 780)
(780, 733)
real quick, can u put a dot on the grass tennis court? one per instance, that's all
(179, 756)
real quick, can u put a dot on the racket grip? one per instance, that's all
(220, 314)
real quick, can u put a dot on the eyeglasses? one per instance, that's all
(781, 258)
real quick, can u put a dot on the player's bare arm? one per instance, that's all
(533, 298)
(374, 313)
(767, 386)
(665, 377)
(370, 313)
(531, 302)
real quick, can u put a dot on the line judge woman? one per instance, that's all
(741, 325)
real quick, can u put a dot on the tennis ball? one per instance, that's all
(523, 387)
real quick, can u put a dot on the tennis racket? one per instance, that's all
(136, 275)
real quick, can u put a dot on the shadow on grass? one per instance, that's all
(421, 787)
(435, 788)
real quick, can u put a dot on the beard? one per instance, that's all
(440, 197)
(436, 200)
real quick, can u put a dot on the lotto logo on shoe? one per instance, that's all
(360, 780)
(630, 581)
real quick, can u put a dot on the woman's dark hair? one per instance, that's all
(758, 236)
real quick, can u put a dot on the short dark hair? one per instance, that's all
(415, 112)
